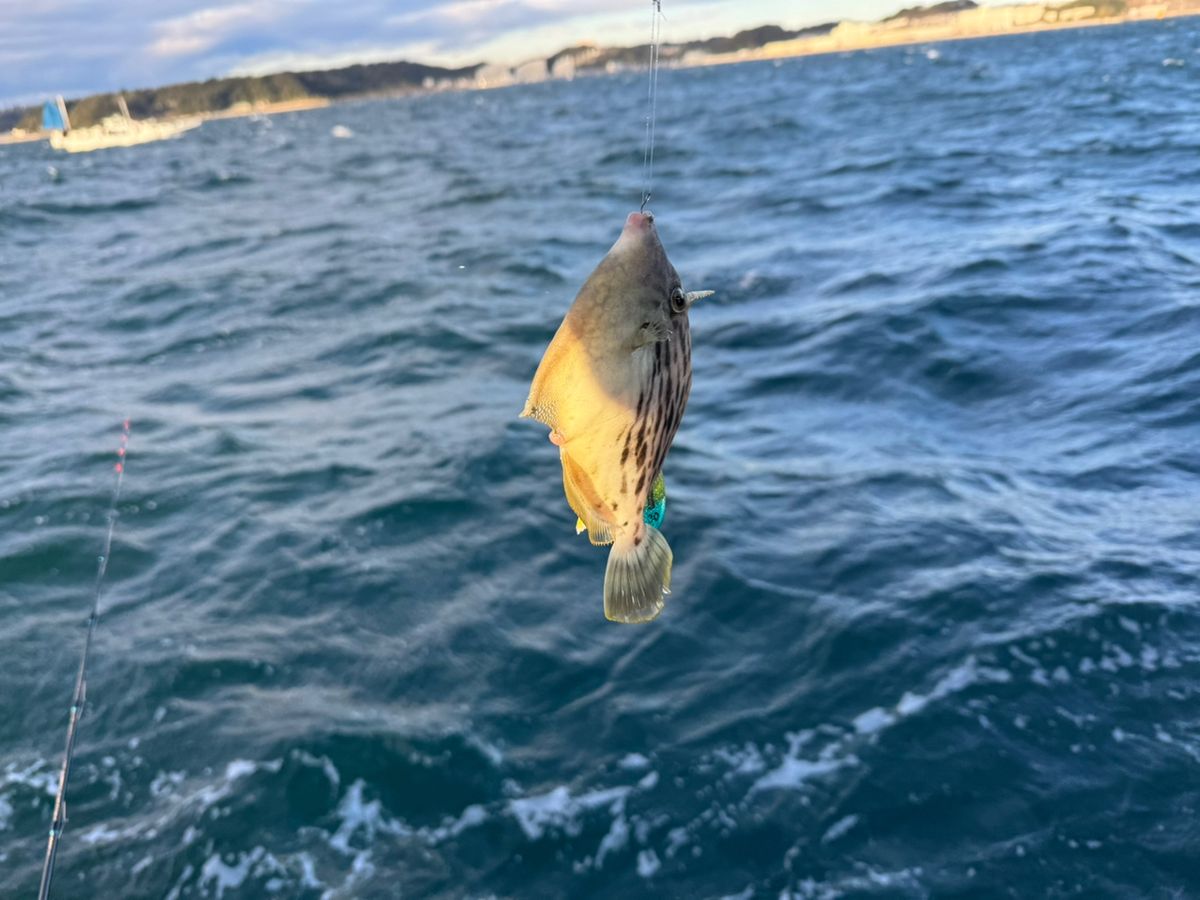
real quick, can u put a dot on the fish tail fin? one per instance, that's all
(638, 574)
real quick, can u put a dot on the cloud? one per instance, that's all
(204, 29)
(451, 33)
(469, 13)
(298, 61)
(474, 20)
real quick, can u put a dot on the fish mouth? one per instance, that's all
(639, 223)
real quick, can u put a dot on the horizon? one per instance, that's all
(151, 44)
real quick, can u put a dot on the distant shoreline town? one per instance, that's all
(962, 20)
(286, 91)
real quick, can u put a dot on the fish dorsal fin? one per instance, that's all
(585, 501)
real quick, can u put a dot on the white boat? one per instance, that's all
(120, 130)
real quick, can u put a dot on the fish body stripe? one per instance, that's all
(661, 401)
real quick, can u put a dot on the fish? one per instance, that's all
(612, 387)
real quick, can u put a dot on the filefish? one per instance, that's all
(612, 387)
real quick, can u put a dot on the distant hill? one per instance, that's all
(920, 12)
(749, 39)
(219, 94)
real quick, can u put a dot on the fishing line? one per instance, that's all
(59, 819)
(651, 102)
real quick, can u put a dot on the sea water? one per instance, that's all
(934, 503)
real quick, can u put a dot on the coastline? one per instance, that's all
(846, 37)
(242, 110)
(825, 45)
(27, 138)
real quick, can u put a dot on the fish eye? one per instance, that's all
(678, 299)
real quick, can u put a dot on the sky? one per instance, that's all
(78, 47)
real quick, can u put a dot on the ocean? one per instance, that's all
(934, 627)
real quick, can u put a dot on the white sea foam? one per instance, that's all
(647, 863)
(179, 884)
(677, 839)
(211, 794)
(308, 871)
(165, 783)
(358, 815)
(103, 834)
(957, 679)
(746, 760)
(870, 882)
(839, 828)
(793, 773)
(873, 720)
(471, 817)
(324, 763)
(38, 776)
(558, 810)
(240, 768)
(493, 753)
(221, 876)
(795, 769)
(618, 835)
(634, 761)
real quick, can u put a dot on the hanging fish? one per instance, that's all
(612, 387)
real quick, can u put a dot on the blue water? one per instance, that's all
(934, 629)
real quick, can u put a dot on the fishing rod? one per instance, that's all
(58, 820)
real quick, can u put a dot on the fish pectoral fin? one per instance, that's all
(584, 501)
(652, 333)
(540, 412)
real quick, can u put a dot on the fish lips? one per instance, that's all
(638, 223)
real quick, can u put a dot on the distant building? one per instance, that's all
(494, 76)
(532, 71)
(568, 62)
(983, 20)
(1076, 13)
(563, 67)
